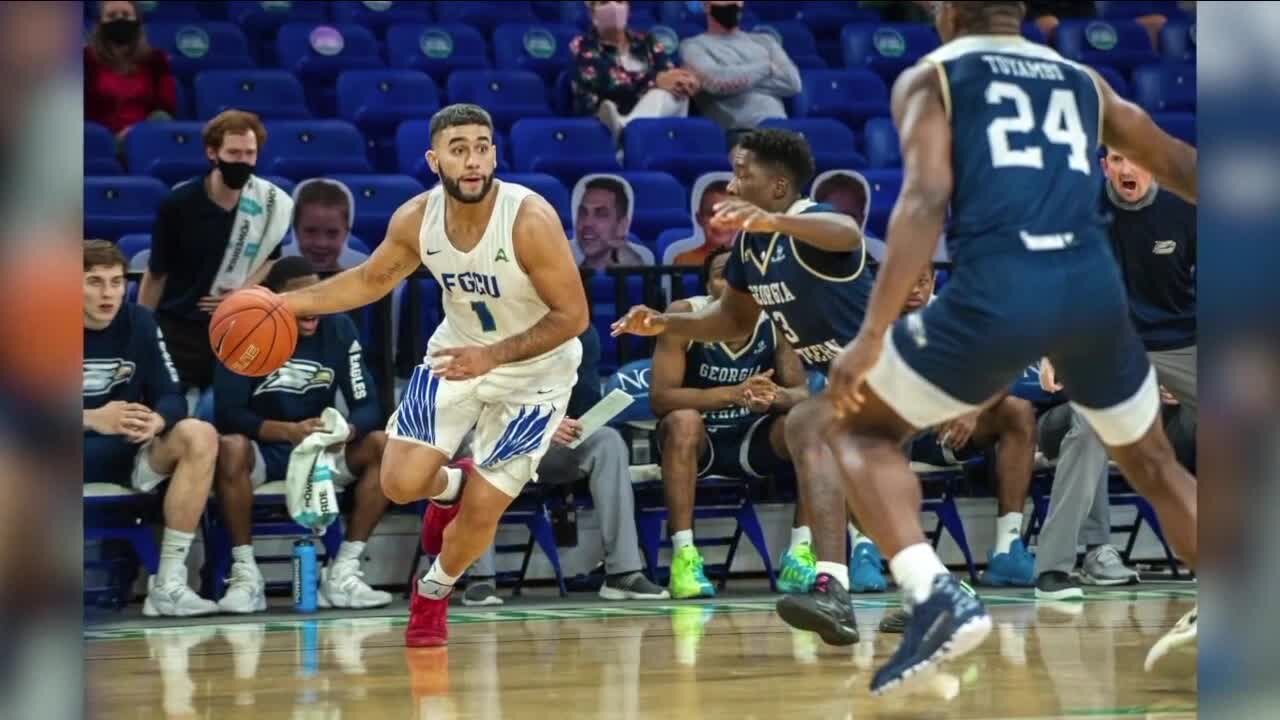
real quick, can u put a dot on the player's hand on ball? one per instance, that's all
(639, 320)
(849, 371)
(738, 214)
(462, 363)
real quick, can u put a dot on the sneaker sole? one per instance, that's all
(487, 602)
(1064, 594)
(1182, 647)
(149, 610)
(965, 640)
(801, 618)
(608, 593)
(1106, 582)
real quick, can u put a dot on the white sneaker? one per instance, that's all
(247, 591)
(1182, 634)
(341, 586)
(174, 598)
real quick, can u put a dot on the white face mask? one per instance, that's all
(610, 16)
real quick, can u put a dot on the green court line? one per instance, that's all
(1141, 710)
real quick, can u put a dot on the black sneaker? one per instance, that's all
(826, 610)
(895, 623)
(1057, 585)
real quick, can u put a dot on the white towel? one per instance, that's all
(262, 219)
(313, 465)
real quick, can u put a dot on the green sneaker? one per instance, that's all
(687, 578)
(799, 570)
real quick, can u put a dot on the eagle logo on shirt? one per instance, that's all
(103, 376)
(298, 377)
(1164, 247)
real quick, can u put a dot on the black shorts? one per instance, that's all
(928, 448)
(188, 345)
(741, 450)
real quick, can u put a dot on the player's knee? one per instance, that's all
(802, 425)
(682, 430)
(373, 445)
(197, 441)
(235, 459)
(1017, 418)
(398, 487)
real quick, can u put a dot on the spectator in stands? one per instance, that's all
(604, 460)
(602, 220)
(708, 191)
(322, 214)
(212, 235)
(622, 74)
(263, 419)
(126, 81)
(721, 414)
(136, 425)
(744, 76)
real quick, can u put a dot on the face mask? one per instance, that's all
(727, 15)
(610, 16)
(121, 32)
(234, 174)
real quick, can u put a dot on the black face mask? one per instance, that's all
(234, 174)
(727, 15)
(122, 32)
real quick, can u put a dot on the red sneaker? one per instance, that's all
(428, 622)
(438, 516)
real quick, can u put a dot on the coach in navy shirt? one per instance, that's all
(136, 430)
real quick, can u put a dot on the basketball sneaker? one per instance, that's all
(895, 622)
(174, 598)
(687, 578)
(342, 585)
(1016, 568)
(1182, 635)
(246, 591)
(866, 569)
(631, 586)
(799, 569)
(1103, 566)
(428, 615)
(440, 514)
(480, 594)
(1056, 585)
(826, 610)
(946, 625)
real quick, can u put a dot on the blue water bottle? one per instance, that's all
(304, 576)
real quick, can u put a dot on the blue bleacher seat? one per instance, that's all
(261, 20)
(99, 151)
(484, 16)
(886, 48)
(1165, 87)
(832, 142)
(828, 17)
(669, 36)
(542, 48)
(661, 203)
(881, 142)
(158, 12)
(769, 10)
(508, 95)
(1135, 8)
(134, 243)
(562, 94)
(183, 98)
(669, 237)
(115, 206)
(684, 147)
(851, 96)
(567, 148)
(674, 12)
(171, 151)
(283, 183)
(272, 94)
(194, 47)
(376, 198)
(437, 49)
(796, 40)
(885, 185)
(1178, 41)
(1122, 44)
(378, 16)
(318, 53)
(1181, 125)
(1115, 80)
(548, 187)
(411, 142)
(377, 101)
(301, 149)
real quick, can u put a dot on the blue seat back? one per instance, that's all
(322, 49)
(303, 148)
(196, 46)
(272, 94)
(380, 15)
(376, 198)
(171, 151)
(116, 206)
(655, 137)
(437, 49)
(492, 89)
(1115, 80)
(881, 138)
(548, 187)
(379, 97)
(98, 142)
(886, 47)
(793, 35)
(1119, 43)
(542, 48)
(1178, 41)
(133, 243)
(1181, 125)
(536, 138)
(826, 90)
(485, 16)
(1165, 87)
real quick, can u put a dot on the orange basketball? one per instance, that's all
(252, 333)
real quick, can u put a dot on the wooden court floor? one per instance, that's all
(730, 658)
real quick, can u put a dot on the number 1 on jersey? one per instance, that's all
(486, 318)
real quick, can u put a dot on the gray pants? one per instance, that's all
(605, 461)
(1079, 506)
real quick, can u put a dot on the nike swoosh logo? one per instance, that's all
(433, 252)
(544, 392)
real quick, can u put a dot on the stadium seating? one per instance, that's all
(546, 186)
(886, 48)
(134, 243)
(567, 148)
(171, 151)
(661, 202)
(437, 49)
(377, 101)
(1032, 32)
(508, 95)
(684, 147)
(1115, 80)
(1181, 125)
(115, 206)
(193, 47)
(1122, 44)
(885, 185)
(881, 142)
(833, 142)
(261, 20)
(796, 40)
(272, 94)
(376, 198)
(541, 48)
(301, 149)
(851, 96)
(1178, 41)
(1128, 9)
(318, 53)
(484, 16)
(378, 16)
(1165, 87)
(99, 151)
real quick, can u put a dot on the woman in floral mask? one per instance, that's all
(624, 74)
(126, 81)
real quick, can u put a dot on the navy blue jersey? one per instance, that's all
(1026, 124)
(127, 361)
(306, 385)
(713, 365)
(816, 298)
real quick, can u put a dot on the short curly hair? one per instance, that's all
(783, 149)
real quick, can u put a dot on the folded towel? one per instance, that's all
(309, 491)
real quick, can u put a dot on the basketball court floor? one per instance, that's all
(544, 658)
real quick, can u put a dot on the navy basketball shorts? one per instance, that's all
(111, 458)
(740, 450)
(1000, 314)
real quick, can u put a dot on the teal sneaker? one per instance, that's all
(1016, 568)
(866, 570)
(799, 570)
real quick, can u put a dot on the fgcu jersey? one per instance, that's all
(712, 365)
(1025, 124)
(816, 299)
(486, 296)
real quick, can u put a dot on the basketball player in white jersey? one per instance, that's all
(503, 362)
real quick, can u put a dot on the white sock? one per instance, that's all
(453, 481)
(436, 584)
(173, 555)
(243, 554)
(858, 537)
(836, 570)
(1008, 529)
(801, 536)
(914, 568)
(350, 550)
(681, 538)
